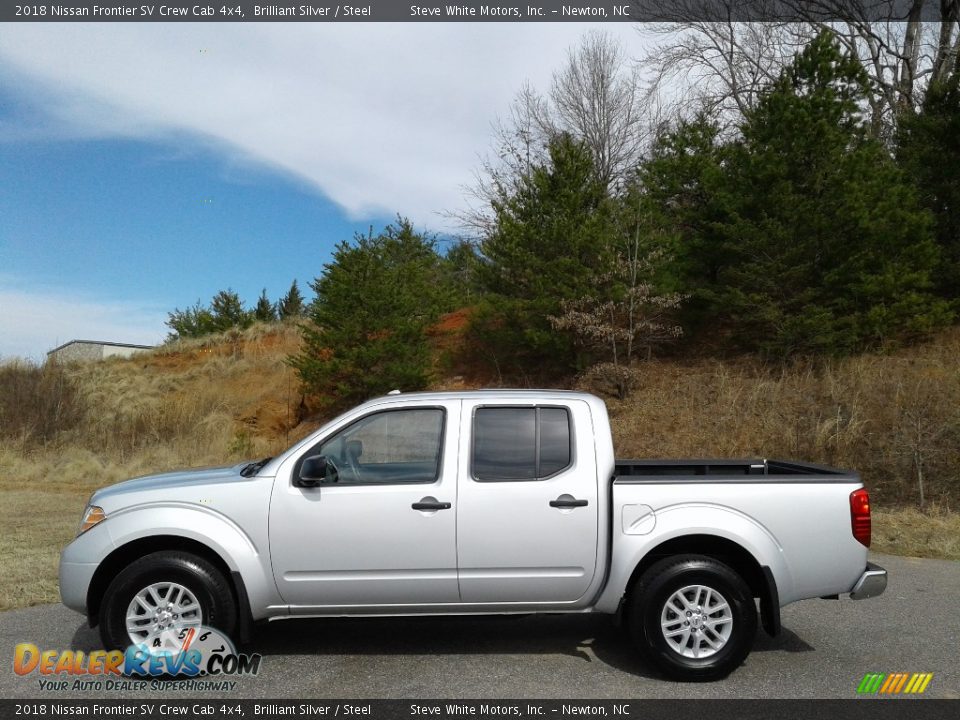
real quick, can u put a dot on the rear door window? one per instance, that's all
(520, 443)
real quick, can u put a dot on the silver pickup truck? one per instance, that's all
(475, 502)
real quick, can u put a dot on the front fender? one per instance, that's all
(684, 519)
(243, 552)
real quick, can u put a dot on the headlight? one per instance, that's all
(91, 516)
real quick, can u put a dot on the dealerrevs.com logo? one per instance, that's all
(196, 652)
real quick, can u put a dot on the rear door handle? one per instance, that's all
(429, 503)
(568, 501)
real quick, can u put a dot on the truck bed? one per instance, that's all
(795, 516)
(744, 470)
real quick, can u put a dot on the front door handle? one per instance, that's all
(430, 504)
(568, 501)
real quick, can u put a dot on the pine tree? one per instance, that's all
(460, 264)
(228, 311)
(550, 240)
(685, 191)
(291, 305)
(365, 333)
(803, 235)
(929, 151)
(832, 249)
(193, 322)
(264, 310)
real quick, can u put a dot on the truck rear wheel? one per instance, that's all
(692, 617)
(156, 597)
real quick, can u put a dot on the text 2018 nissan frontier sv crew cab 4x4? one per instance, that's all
(475, 502)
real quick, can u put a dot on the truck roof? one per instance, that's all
(499, 393)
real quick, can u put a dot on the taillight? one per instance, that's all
(860, 516)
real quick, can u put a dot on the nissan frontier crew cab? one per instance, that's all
(484, 502)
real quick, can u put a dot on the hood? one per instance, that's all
(171, 481)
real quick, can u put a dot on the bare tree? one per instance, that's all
(918, 431)
(946, 57)
(902, 52)
(707, 52)
(719, 66)
(519, 143)
(593, 97)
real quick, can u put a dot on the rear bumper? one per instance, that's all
(872, 583)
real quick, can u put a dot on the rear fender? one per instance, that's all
(688, 519)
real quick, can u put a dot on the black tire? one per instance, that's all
(207, 584)
(647, 607)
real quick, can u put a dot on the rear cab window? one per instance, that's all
(512, 444)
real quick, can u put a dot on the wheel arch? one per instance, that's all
(127, 553)
(759, 578)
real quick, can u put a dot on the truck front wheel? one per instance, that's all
(155, 598)
(692, 617)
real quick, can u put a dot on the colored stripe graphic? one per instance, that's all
(902, 681)
(870, 683)
(914, 683)
(894, 683)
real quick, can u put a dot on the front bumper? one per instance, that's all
(78, 564)
(74, 583)
(872, 583)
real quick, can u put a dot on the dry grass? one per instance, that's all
(887, 416)
(232, 397)
(39, 524)
(906, 531)
(197, 403)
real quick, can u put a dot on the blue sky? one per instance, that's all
(144, 167)
(134, 221)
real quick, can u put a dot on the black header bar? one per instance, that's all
(471, 11)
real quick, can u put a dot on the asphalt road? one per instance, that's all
(824, 651)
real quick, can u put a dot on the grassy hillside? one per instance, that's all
(232, 397)
(894, 418)
(191, 404)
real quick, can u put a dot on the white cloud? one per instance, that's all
(379, 117)
(34, 321)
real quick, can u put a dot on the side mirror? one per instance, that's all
(313, 471)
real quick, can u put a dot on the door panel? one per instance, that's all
(513, 546)
(359, 541)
